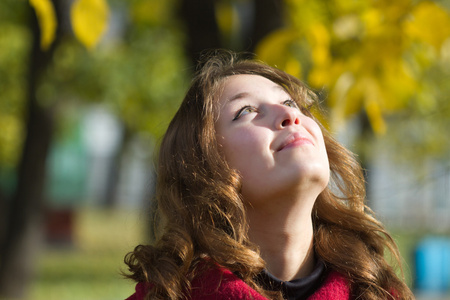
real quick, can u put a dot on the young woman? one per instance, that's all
(256, 200)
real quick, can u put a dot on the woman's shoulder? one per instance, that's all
(217, 282)
(213, 282)
(141, 290)
(335, 286)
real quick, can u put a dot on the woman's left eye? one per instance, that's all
(290, 103)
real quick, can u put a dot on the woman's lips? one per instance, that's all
(293, 140)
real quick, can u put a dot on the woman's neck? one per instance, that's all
(285, 238)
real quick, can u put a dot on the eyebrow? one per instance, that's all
(246, 94)
(239, 96)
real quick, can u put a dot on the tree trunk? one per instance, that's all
(201, 27)
(268, 16)
(22, 235)
(203, 32)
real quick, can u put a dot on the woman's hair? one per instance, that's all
(201, 216)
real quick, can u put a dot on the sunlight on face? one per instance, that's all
(266, 137)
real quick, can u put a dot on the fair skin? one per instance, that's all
(281, 156)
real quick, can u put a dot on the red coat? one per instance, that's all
(222, 284)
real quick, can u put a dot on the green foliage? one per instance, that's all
(140, 72)
(14, 42)
(144, 13)
(13, 11)
(377, 56)
(151, 81)
(91, 268)
(421, 130)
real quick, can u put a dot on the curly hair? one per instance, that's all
(201, 216)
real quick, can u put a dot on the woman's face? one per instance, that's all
(277, 149)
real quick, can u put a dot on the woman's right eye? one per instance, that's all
(243, 111)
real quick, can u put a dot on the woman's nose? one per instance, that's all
(287, 116)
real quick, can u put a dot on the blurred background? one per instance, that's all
(87, 87)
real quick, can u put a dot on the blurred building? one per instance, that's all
(412, 196)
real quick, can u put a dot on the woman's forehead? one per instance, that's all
(243, 85)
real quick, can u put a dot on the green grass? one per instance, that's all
(91, 269)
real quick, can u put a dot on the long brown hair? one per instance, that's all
(201, 216)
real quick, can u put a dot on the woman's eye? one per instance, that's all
(290, 103)
(243, 111)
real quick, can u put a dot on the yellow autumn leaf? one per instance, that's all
(373, 97)
(274, 47)
(45, 13)
(293, 67)
(398, 85)
(89, 20)
(429, 23)
(319, 39)
(393, 11)
(318, 77)
(375, 116)
(318, 34)
(353, 99)
(226, 17)
(372, 20)
(327, 75)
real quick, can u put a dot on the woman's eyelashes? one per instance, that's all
(246, 109)
(291, 103)
(243, 111)
(305, 110)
